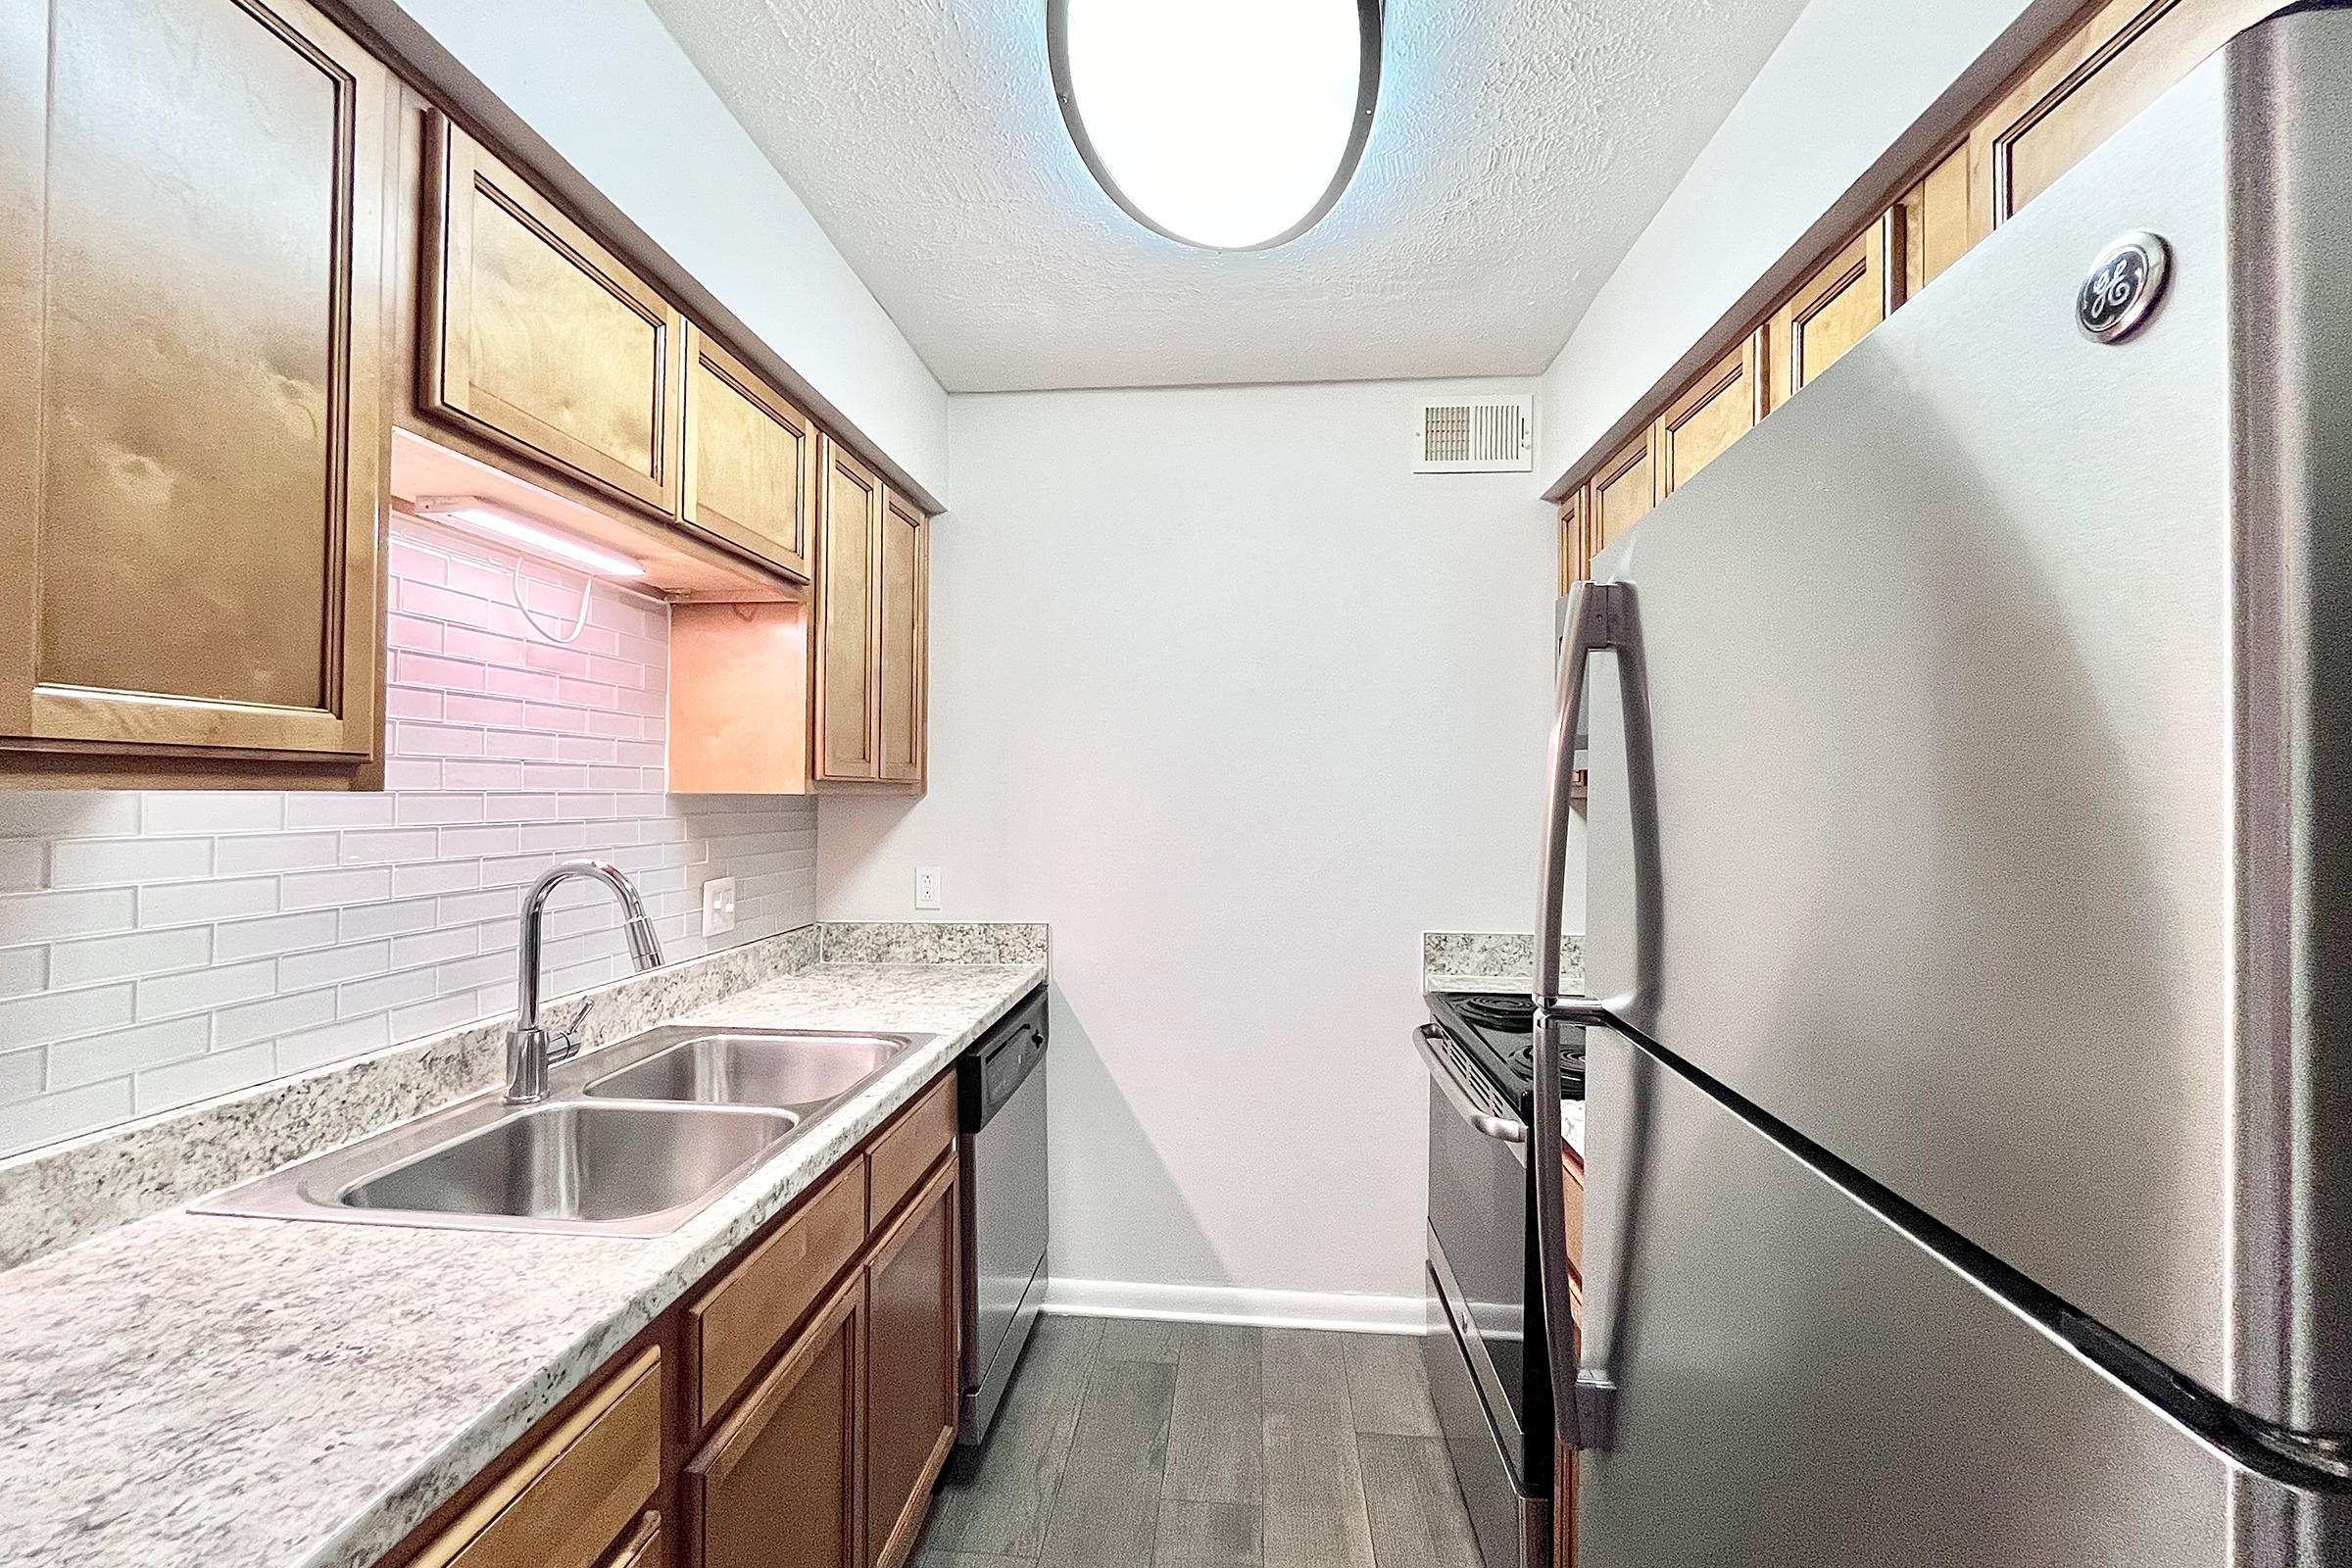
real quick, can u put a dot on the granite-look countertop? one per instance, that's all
(195, 1389)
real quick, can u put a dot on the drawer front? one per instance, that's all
(746, 1315)
(914, 1143)
(576, 1491)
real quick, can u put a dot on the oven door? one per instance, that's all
(1481, 1234)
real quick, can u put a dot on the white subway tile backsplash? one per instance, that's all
(99, 863)
(90, 959)
(206, 989)
(216, 899)
(95, 1058)
(43, 917)
(318, 890)
(162, 947)
(63, 1014)
(202, 1077)
(270, 1019)
(24, 865)
(273, 935)
(274, 852)
(333, 1043)
(212, 812)
(64, 1113)
(22, 970)
(330, 965)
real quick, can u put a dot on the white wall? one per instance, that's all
(612, 92)
(1847, 82)
(1240, 705)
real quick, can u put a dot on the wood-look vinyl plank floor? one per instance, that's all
(1140, 1443)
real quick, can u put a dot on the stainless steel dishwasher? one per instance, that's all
(1000, 1144)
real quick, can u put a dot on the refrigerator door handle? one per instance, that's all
(1599, 616)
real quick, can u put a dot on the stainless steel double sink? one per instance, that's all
(634, 1140)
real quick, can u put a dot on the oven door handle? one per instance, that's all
(1500, 1128)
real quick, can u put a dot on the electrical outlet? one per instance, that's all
(718, 905)
(926, 887)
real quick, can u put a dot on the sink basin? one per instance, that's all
(755, 1068)
(636, 1140)
(571, 1161)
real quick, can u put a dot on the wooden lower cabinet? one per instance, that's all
(576, 1489)
(793, 1410)
(914, 1327)
(778, 1483)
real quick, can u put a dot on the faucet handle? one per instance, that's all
(563, 1043)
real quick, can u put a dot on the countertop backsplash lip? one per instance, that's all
(1459, 961)
(934, 942)
(287, 1393)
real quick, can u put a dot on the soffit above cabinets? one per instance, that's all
(1516, 153)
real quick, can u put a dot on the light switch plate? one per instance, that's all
(926, 887)
(718, 905)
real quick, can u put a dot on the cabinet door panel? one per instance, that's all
(848, 543)
(913, 1373)
(751, 459)
(537, 336)
(900, 581)
(1623, 491)
(1835, 309)
(779, 1482)
(1936, 216)
(1720, 408)
(2115, 64)
(195, 562)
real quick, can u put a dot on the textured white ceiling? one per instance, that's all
(1519, 147)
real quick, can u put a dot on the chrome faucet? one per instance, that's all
(530, 1049)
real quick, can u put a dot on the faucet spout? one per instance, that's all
(531, 1049)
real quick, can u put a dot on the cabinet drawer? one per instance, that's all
(570, 1497)
(748, 1313)
(901, 1156)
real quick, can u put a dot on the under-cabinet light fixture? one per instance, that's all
(503, 523)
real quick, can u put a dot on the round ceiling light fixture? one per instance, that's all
(1230, 124)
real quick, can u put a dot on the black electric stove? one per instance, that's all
(1496, 1031)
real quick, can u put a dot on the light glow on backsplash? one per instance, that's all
(159, 949)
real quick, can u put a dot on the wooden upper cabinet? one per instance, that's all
(848, 537)
(1624, 490)
(1835, 309)
(1575, 537)
(779, 1483)
(913, 1378)
(751, 459)
(2109, 68)
(193, 436)
(539, 339)
(902, 581)
(1936, 215)
(1720, 408)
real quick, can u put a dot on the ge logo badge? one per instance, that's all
(2124, 287)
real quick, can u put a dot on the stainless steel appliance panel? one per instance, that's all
(1939, 666)
(1799, 1382)
(1002, 1143)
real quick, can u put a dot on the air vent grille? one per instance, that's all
(1476, 435)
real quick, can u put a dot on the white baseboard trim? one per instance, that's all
(1229, 1303)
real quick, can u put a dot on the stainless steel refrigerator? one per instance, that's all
(1969, 895)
